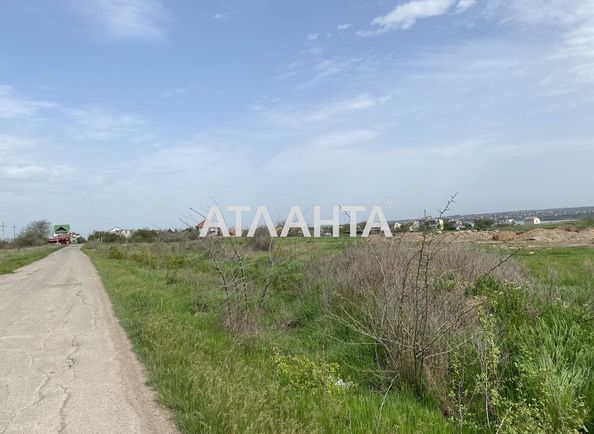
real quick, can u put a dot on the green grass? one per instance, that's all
(12, 259)
(565, 272)
(559, 344)
(218, 382)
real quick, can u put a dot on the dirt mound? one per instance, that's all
(587, 235)
(541, 235)
(505, 236)
(557, 236)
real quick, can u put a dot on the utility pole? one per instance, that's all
(13, 232)
(2, 226)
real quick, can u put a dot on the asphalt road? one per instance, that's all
(66, 365)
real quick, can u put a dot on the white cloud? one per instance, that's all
(332, 67)
(22, 159)
(541, 12)
(175, 91)
(314, 51)
(570, 38)
(342, 27)
(313, 36)
(11, 145)
(405, 15)
(21, 172)
(344, 138)
(14, 107)
(142, 19)
(16, 157)
(100, 124)
(320, 113)
(465, 4)
(223, 16)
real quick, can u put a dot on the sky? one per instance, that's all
(128, 112)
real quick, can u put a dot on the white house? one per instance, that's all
(507, 222)
(531, 221)
(126, 233)
(211, 230)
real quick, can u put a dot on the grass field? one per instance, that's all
(12, 259)
(295, 368)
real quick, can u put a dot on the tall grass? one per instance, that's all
(361, 337)
(218, 381)
(12, 259)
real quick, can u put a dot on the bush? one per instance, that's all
(483, 224)
(261, 240)
(34, 234)
(143, 236)
(106, 237)
(144, 256)
(414, 303)
(302, 374)
(114, 252)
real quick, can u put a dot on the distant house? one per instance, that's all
(507, 222)
(397, 226)
(126, 233)
(532, 220)
(431, 223)
(63, 235)
(414, 226)
(60, 230)
(455, 224)
(326, 231)
(211, 231)
(468, 225)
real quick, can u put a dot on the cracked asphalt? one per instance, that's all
(66, 365)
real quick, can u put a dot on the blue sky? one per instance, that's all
(127, 112)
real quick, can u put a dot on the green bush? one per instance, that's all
(145, 257)
(301, 373)
(34, 234)
(143, 236)
(106, 237)
(114, 252)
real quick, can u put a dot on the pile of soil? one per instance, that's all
(505, 236)
(560, 235)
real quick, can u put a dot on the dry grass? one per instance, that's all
(414, 301)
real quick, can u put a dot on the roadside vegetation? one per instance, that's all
(29, 245)
(14, 258)
(349, 335)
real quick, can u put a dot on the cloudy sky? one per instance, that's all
(127, 112)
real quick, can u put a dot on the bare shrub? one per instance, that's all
(261, 240)
(229, 260)
(247, 277)
(414, 301)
